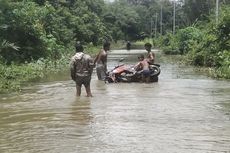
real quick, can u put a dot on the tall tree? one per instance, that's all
(197, 9)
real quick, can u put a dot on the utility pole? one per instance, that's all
(151, 27)
(174, 16)
(161, 19)
(217, 11)
(156, 27)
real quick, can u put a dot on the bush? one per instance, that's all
(13, 76)
(187, 38)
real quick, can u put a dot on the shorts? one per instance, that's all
(101, 72)
(146, 73)
(85, 80)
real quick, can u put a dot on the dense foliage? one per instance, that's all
(12, 77)
(205, 44)
(42, 28)
(46, 29)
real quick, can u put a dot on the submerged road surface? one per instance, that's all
(184, 112)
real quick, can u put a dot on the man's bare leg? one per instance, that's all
(78, 93)
(148, 79)
(88, 91)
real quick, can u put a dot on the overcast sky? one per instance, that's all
(109, 0)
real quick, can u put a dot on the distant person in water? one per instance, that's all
(150, 55)
(128, 45)
(143, 66)
(101, 61)
(81, 67)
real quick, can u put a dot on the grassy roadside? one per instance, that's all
(221, 73)
(13, 76)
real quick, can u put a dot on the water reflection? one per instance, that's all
(80, 111)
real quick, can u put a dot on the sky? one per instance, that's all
(110, 0)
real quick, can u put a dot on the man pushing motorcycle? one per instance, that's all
(144, 71)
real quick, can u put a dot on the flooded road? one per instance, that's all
(184, 112)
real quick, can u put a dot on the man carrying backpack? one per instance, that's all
(81, 67)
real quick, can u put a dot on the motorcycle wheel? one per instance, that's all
(155, 71)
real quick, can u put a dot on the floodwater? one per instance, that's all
(184, 112)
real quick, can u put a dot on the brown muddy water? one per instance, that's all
(184, 112)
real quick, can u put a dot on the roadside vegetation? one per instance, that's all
(38, 36)
(205, 44)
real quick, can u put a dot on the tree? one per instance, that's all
(196, 9)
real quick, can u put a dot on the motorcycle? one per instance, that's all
(127, 73)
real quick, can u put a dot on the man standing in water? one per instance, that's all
(150, 55)
(101, 61)
(128, 45)
(81, 67)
